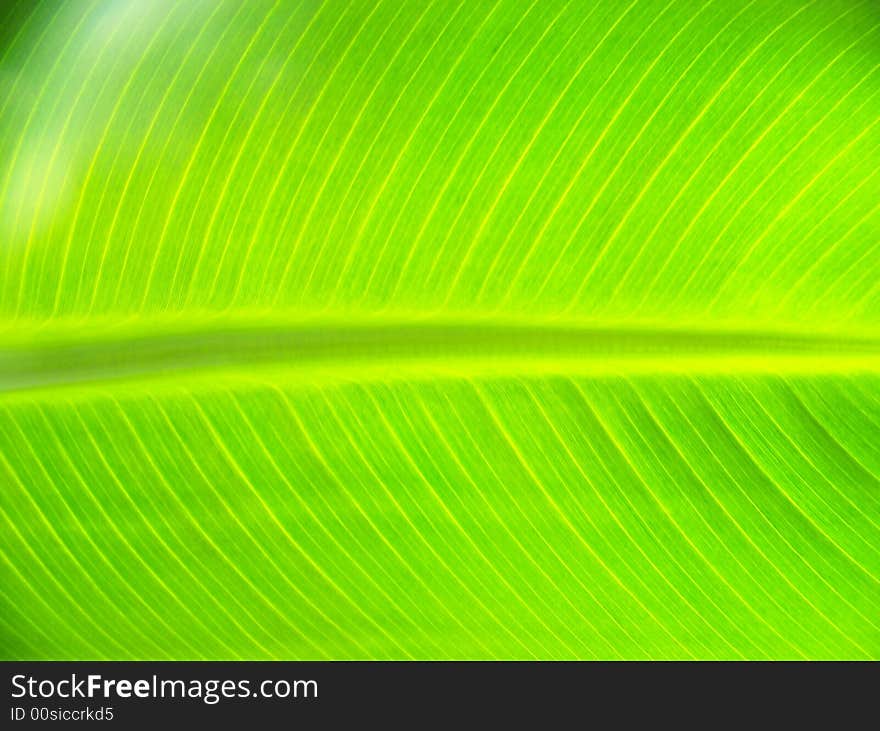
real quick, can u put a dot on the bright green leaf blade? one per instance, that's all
(493, 329)
(667, 517)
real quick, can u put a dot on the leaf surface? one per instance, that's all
(440, 330)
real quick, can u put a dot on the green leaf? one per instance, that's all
(440, 329)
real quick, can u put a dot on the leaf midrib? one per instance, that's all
(369, 347)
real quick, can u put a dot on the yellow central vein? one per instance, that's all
(367, 349)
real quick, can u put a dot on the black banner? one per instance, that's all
(415, 693)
